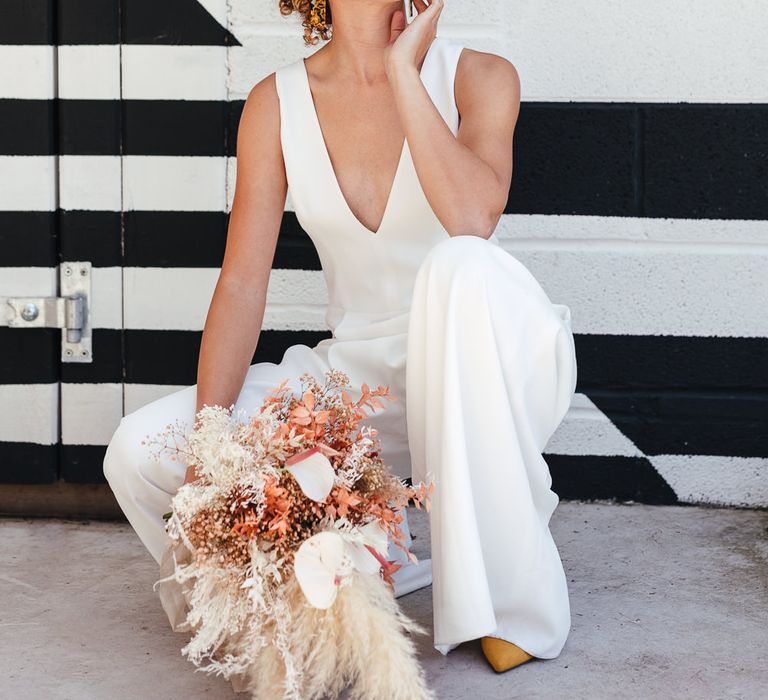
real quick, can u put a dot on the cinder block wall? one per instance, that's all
(639, 198)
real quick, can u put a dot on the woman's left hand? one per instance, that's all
(409, 43)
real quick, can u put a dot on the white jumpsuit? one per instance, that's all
(483, 364)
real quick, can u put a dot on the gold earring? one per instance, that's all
(317, 15)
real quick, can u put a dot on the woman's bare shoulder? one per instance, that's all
(261, 106)
(258, 149)
(258, 130)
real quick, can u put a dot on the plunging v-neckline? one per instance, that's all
(329, 163)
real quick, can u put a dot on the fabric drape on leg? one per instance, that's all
(490, 373)
(143, 486)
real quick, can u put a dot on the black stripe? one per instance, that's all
(89, 127)
(66, 127)
(671, 362)
(99, 22)
(706, 161)
(83, 464)
(94, 127)
(89, 21)
(107, 365)
(29, 355)
(691, 423)
(639, 162)
(140, 22)
(172, 22)
(589, 477)
(295, 249)
(234, 113)
(28, 463)
(152, 239)
(175, 238)
(27, 127)
(91, 235)
(27, 22)
(573, 159)
(641, 159)
(197, 239)
(175, 127)
(170, 357)
(32, 356)
(28, 239)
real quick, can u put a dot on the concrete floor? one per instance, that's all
(666, 602)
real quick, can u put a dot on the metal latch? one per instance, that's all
(70, 312)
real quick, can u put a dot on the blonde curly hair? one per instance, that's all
(312, 33)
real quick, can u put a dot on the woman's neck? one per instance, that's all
(361, 32)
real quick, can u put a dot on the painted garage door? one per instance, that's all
(117, 164)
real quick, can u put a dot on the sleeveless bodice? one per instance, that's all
(369, 275)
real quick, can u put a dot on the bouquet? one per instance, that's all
(277, 562)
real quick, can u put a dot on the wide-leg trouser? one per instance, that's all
(490, 374)
(488, 368)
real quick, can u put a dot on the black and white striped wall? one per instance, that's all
(639, 198)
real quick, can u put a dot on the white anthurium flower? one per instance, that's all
(314, 473)
(320, 565)
(323, 561)
(373, 535)
(362, 559)
(376, 536)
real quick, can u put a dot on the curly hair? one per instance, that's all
(312, 33)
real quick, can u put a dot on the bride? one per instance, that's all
(396, 148)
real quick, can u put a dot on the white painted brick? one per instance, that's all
(602, 50)
(90, 412)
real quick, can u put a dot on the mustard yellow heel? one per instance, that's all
(503, 655)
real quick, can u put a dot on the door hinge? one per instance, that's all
(70, 311)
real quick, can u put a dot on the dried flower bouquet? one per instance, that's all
(277, 561)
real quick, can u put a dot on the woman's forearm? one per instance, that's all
(230, 335)
(462, 189)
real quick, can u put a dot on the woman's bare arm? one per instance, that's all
(236, 312)
(465, 178)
